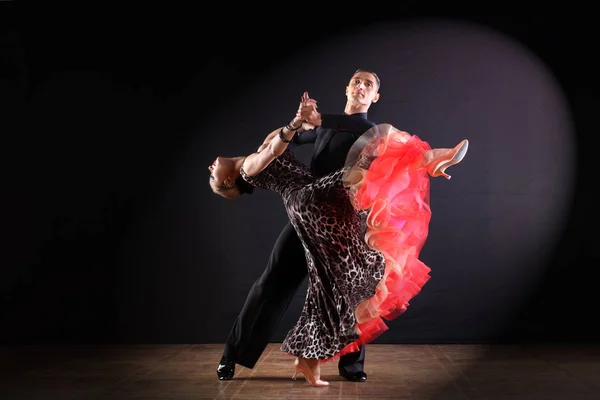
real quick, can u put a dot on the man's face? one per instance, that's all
(363, 88)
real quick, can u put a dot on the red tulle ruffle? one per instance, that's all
(394, 187)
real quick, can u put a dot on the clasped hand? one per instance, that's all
(307, 113)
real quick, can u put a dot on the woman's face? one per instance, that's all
(220, 172)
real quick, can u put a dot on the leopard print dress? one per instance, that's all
(342, 270)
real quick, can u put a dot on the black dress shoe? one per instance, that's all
(359, 376)
(225, 369)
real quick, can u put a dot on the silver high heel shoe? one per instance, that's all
(438, 160)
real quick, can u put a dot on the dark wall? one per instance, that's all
(110, 120)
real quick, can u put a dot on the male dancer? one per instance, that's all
(269, 297)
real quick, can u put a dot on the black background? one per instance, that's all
(110, 117)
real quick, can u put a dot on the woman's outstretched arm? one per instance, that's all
(273, 146)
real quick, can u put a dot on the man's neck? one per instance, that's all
(355, 109)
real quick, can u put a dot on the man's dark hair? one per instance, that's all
(372, 73)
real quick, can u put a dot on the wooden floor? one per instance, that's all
(445, 372)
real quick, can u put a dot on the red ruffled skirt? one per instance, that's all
(386, 176)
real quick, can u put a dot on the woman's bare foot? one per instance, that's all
(311, 370)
